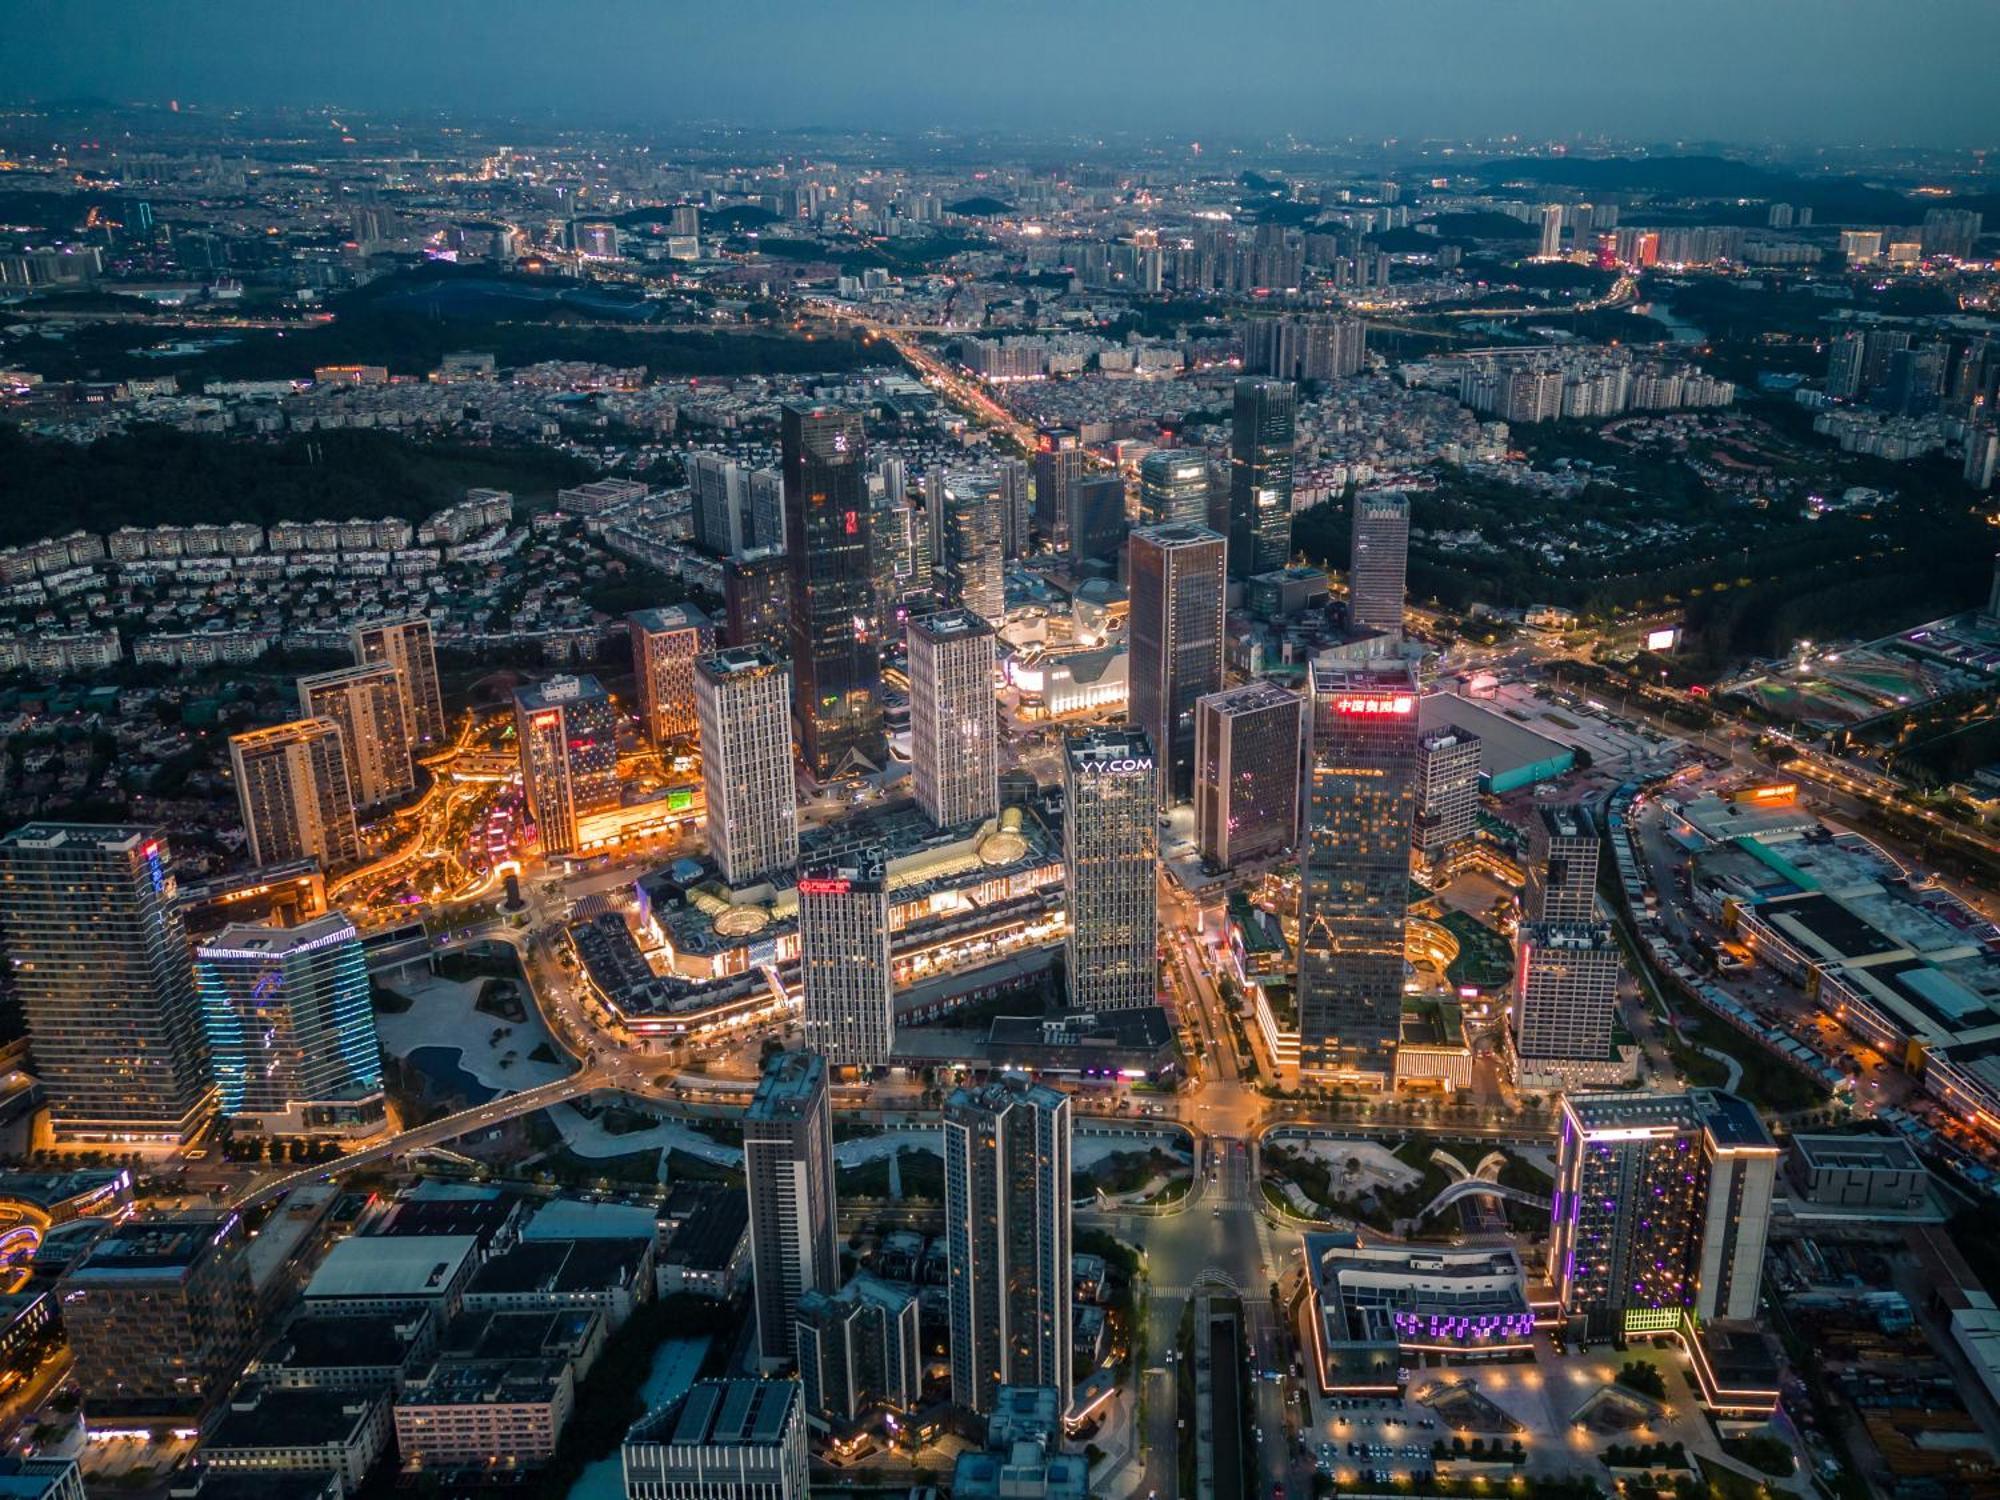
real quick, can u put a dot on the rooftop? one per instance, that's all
(736, 661)
(288, 1419)
(950, 625)
(674, 617)
(148, 1247)
(558, 691)
(723, 1414)
(791, 1081)
(1868, 1153)
(392, 1266)
(254, 939)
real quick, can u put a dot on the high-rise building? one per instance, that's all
(1552, 231)
(408, 646)
(1562, 866)
(850, 999)
(1007, 1240)
(1315, 347)
(757, 601)
(99, 962)
(970, 568)
(1379, 563)
(568, 734)
(1173, 487)
(369, 705)
(1565, 996)
(1662, 1207)
(836, 656)
(292, 788)
(859, 1348)
(1447, 811)
(1097, 523)
(954, 718)
(665, 646)
(1111, 810)
(1016, 506)
(718, 503)
(735, 1439)
(788, 1165)
(1262, 438)
(1846, 362)
(291, 1027)
(1059, 464)
(743, 703)
(1355, 872)
(1177, 588)
(1246, 772)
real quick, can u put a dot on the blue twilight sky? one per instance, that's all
(1807, 71)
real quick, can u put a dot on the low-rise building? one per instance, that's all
(265, 1432)
(1379, 1309)
(393, 1275)
(610, 1275)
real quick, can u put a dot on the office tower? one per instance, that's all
(1111, 810)
(1565, 994)
(408, 646)
(1173, 487)
(850, 1006)
(1096, 527)
(1260, 476)
(368, 705)
(291, 1027)
(291, 785)
(1562, 866)
(1016, 507)
(1059, 464)
(765, 525)
(757, 601)
(1007, 1240)
(160, 1317)
(970, 570)
(836, 657)
(1379, 563)
(718, 503)
(1246, 778)
(1447, 810)
(954, 718)
(733, 1439)
(1982, 456)
(788, 1164)
(1662, 1206)
(1176, 586)
(1846, 359)
(1552, 231)
(1354, 876)
(743, 701)
(568, 733)
(1861, 246)
(666, 643)
(859, 1348)
(99, 963)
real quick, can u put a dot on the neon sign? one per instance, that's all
(825, 887)
(1402, 703)
(1120, 766)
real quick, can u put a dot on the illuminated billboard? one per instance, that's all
(1663, 640)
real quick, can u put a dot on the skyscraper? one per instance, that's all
(836, 657)
(1260, 476)
(1007, 1240)
(743, 703)
(665, 646)
(368, 704)
(788, 1167)
(291, 1028)
(954, 729)
(757, 601)
(1447, 791)
(1246, 772)
(1016, 506)
(850, 1007)
(1097, 525)
(568, 734)
(292, 788)
(970, 570)
(1177, 588)
(1379, 563)
(100, 962)
(1565, 999)
(1059, 464)
(1552, 231)
(718, 503)
(1111, 809)
(1173, 487)
(408, 646)
(1562, 865)
(1662, 1206)
(1354, 875)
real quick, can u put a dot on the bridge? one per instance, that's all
(1476, 1187)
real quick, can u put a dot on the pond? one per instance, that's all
(441, 1066)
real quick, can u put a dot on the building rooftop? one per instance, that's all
(255, 940)
(273, 1418)
(112, 838)
(673, 617)
(1729, 1120)
(1090, 747)
(141, 1248)
(723, 1414)
(558, 691)
(1568, 821)
(1252, 697)
(790, 1083)
(736, 661)
(950, 625)
(1867, 1153)
(1504, 745)
(351, 1341)
(392, 1266)
(709, 1233)
(559, 1267)
(1023, 1413)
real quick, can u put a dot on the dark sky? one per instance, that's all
(1801, 71)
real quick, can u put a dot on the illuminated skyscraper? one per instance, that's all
(408, 646)
(1173, 487)
(100, 962)
(836, 657)
(1059, 464)
(757, 601)
(850, 1011)
(1552, 231)
(1246, 777)
(1260, 476)
(369, 705)
(1111, 809)
(1379, 563)
(970, 569)
(954, 730)
(1007, 1241)
(743, 703)
(1177, 588)
(1562, 866)
(1565, 999)
(568, 734)
(1662, 1206)
(665, 646)
(1355, 872)
(291, 1027)
(788, 1166)
(1447, 791)
(291, 784)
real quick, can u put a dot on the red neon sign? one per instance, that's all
(825, 887)
(546, 718)
(1402, 703)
